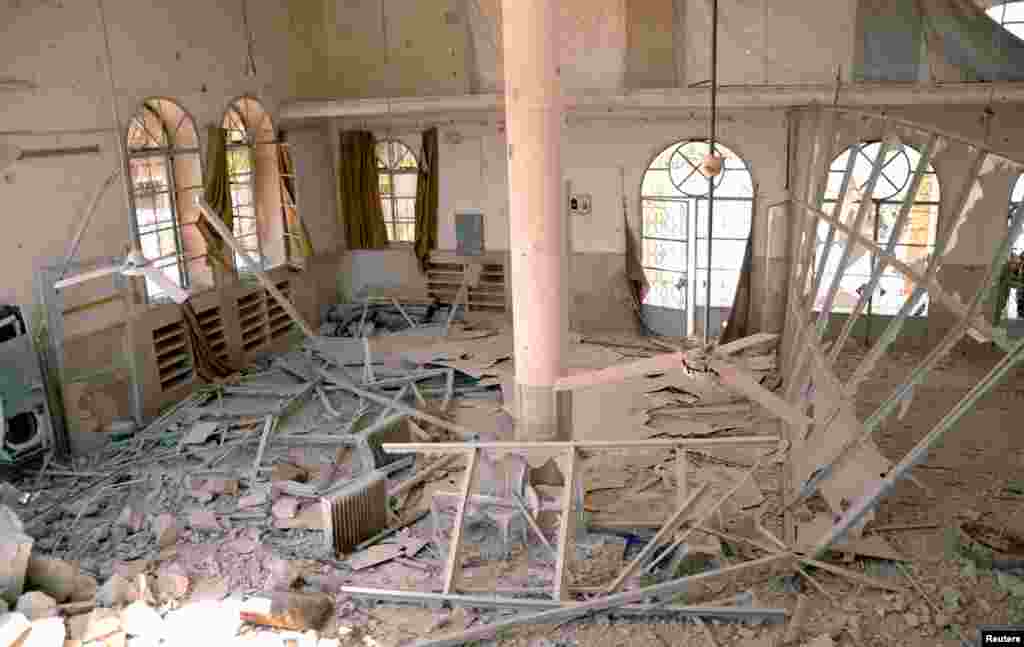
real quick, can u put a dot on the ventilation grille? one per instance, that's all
(280, 323)
(173, 358)
(355, 513)
(212, 325)
(252, 320)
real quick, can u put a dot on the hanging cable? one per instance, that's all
(712, 165)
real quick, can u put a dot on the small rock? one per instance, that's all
(970, 515)
(942, 620)
(285, 508)
(48, 632)
(36, 605)
(824, 640)
(252, 500)
(171, 583)
(165, 529)
(204, 520)
(97, 625)
(139, 619)
(85, 588)
(243, 545)
(912, 620)
(118, 591)
(984, 606)
(55, 577)
(13, 627)
(132, 519)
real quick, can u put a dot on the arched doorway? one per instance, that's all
(674, 204)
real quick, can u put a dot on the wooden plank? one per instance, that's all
(569, 612)
(666, 443)
(656, 364)
(424, 474)
(742, 382)
(454, 558)
(666, 530)
(749, 341)
(261, 276)
(567, 529)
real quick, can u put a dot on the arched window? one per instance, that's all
(915, 244)
(1010, 15)
(166, 175)
(254, 181)
(674, 203)
(397, 170)
(1015, 303)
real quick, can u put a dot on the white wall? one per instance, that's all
(190, 50)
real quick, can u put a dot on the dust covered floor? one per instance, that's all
(234, 533)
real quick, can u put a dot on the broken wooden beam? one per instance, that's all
(567, 529)
(548, 446)
(656, 364)
(218, 225)
(454, 558)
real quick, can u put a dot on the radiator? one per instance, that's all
(355, 512)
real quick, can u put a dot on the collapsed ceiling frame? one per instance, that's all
(835, 452)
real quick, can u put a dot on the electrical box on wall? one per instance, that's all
(579, 204)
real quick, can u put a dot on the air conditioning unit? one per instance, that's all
(25, 424)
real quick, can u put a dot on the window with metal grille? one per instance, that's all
(674, 202)
(247, 124)
(166, 176)
(397, 172)
(914, 246)
(1010, 15)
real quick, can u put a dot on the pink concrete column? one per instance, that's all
(533, 113)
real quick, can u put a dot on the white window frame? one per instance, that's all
(390, 200)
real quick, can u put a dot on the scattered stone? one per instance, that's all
(942, 620)
(139, 619)
(85, 588)
(285, 610)
(47, 632)
(243, 545)
(118, 591)
(824, 640)
(912, 620)
(55, 577)
(984, 606)
(76, 608)
(203, 623)
(285, 508)
(204, 520)
(15, 550)
(165, 529)
(132, 519)
(252, 500)
(97, 625)
(284, 573)
(13, 627)
(132, 568)
(36, 605)
(222, 485)
(171, 583)
(288, 472)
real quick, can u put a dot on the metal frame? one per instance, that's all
(808, 358)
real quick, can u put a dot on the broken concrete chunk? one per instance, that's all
(200, 433)
(15, 550)
(131, 518)
(288, 472)
(165, 529)
(36, 605)
(47, 632)
(204, 520)
(85, 588)
(295, 611)
(98, 625)
(13, 629)
(139, 619)
(171, 583)
(375, 555)
(285, 508)
(118, 591)
(55, 577)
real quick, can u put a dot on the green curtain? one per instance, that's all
(359, 192)
(217, 193)
(299, 245)
(426, 199)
